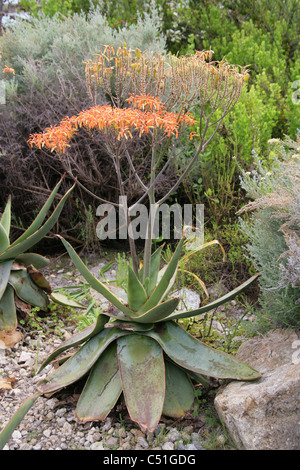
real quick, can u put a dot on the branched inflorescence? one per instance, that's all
(150, 95)
(107, 119)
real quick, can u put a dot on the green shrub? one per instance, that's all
(274, 233)
(48, 55)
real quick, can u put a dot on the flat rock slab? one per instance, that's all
(265, 414)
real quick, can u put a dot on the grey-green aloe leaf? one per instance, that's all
(63, 299)
(180, 394)
(8, 314)
(154, 269)
(40, 217)
(81, 362)
(159, 312)
(5, 268)
(36, 260)
(102, 389)
(95, 283)
(27, 290)
(16, 419)
(6, 217)
(192, 354)
(216, 303)
(20, 247)
(142, 373)
(4, 239)
(164, 283)
(130, 325)
(136, 293)
(77, 339)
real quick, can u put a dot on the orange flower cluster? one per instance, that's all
(106, 118)
(146, 102)
(56, 138)
(8, 70)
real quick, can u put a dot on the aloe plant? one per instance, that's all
(19, 270)
(139, 349)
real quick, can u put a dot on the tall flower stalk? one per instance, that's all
(150, 95)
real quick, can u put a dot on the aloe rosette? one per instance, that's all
(19, 270)
(137, 348)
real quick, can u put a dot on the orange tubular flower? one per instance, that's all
(147, 113)
(146, 101)
(8, 70)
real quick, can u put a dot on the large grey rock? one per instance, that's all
(265, 414)
(189, 299)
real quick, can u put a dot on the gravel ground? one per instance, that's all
(50, 424)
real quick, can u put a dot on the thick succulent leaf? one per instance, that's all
(63, 299)
(8, 314)
(216, 303)
(6, 217)
(36, 260)
(16, 419)
(102, 389)
(164, 284)
(159, 312)
(4, 275)
(154, 269)
(129, 325)
(192, 354)
(142, 373)
(135, 291)
(119, 292)
(95, 283)
(192, 252)
(180, 394)
(20, 247)
(4, 240)
(27, 290)
(81, 362)
(77, 339)
(40, 217)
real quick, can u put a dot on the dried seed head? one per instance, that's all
(176, 81)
